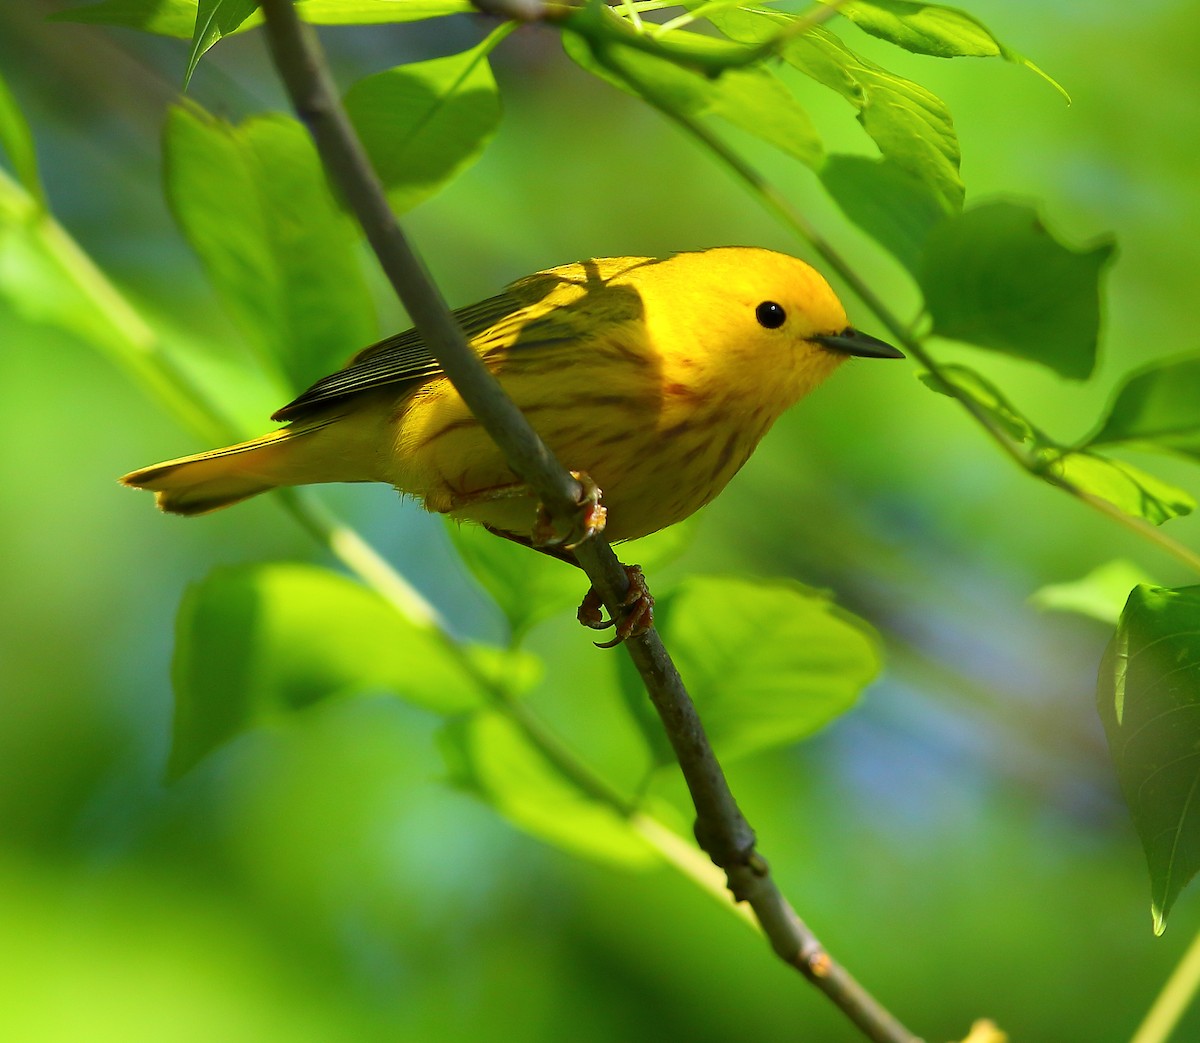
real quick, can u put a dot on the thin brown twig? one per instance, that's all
(721, 829)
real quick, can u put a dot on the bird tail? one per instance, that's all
(222, 477)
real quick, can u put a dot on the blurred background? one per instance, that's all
(958, 839)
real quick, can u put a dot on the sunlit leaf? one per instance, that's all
(752, 99)
(490, 756)
(766, 662)
(1158, 406)
(1101, 594)
(1122, 484)
(995, 277)
(378, 12)
(255, 206)
(1149, 700)
(911, 126)
(214, 19)
(944, 32)
(16, 141)
(255, 644)
(424, 123)
(178, 17)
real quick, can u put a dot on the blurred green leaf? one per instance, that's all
(17, 142)
(995, 277)
(766, 662)
(1101, 594)
(254, 644)
(752, 99)
(424, 123)
(1122, 484)
(489, 755)
(178, 17)
(43, 277)
(944, 32)
(214, 19)
(1149, 700)
(253, 202)
(987, 396)
(527, 586)
(1157, 406)
(911, 126)
(150, 945)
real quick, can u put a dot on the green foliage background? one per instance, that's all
(958, 838)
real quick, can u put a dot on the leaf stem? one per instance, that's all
(1177, 993)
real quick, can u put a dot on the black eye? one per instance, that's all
(770, 314)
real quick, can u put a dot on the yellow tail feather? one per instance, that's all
(222, 477)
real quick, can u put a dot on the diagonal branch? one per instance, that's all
(720, 827)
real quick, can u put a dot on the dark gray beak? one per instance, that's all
(851, 342)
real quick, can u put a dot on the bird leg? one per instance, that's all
(636, 615)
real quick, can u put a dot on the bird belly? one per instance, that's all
(654, 466)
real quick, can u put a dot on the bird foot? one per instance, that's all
(634, 619)
(586, 523)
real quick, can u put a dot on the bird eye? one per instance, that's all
(770, 315)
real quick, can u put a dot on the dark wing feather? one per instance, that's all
(550, 308)
(402, 359)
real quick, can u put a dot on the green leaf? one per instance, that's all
(944, 32)
(424, 123)
(988, 397)
(255, 644)
(17, 142)
(1158, 406)
(993, 276)
(178, 17)
(911, 126)
(767, 663)
(214, 19)
(379, 12)
(527, 586)
(752, 99)
(1101, 594)
(488, 755)
(1122, 484)
(254, 205)
(1149, 700)
(897, 210)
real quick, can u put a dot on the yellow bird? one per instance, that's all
(655, 377)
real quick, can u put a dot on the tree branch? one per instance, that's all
(720, 828)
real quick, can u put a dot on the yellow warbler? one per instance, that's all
(654, 376)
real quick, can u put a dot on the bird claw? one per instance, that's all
(634, 619)
(586, 523)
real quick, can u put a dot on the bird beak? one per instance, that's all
(851, 342)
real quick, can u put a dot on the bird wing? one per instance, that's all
(541, 310)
